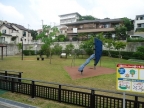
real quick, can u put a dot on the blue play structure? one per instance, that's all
(96, 56)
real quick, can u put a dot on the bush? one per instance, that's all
(28, 52)
(115, 54)
(139, 54)
(135, 40)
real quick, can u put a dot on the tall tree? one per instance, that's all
(87, 17)
(33, 34)
(128, 23)
(121, 32)
(48, 37)
(0, 33)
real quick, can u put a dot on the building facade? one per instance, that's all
(92, 26)
(14, 33)
(139, 22)
(69, 18)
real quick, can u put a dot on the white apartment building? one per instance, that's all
(69, 18)
(139, 22)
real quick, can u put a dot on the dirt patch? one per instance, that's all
(88, 71)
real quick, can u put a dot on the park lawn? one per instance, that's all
(55, 72)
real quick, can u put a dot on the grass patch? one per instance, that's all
(55, 72)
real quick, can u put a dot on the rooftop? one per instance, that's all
(70, 14)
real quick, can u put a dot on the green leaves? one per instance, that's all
(128, 24)
(0, 33)
(119, 45)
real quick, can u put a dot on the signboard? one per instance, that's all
(130, 78)
(74, 30)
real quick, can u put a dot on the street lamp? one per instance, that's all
(22, 47)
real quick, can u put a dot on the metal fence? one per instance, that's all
(85, 97)
(11, 73)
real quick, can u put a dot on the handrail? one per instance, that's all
(81, 87)
(11, 71)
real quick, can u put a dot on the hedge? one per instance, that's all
(28, 52)
(115, 54)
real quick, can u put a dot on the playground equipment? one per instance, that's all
(96, 56)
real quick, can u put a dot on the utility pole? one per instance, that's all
(28, 33)
(42, 25)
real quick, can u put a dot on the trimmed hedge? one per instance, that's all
(28, 52)
(115, 54)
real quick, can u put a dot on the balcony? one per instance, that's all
(91, 29)
(14, 34)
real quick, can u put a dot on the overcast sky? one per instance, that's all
(32, 12)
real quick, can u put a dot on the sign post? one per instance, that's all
(130, 78)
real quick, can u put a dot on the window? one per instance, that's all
(2, 39)
(139, 25)
(4, 31)
(24, 33)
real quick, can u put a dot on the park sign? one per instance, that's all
(130, 78)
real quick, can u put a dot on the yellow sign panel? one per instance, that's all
(130, 78)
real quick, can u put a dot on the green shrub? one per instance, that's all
(139, 54)
(28, 52)
(115, 54)
(135, 40)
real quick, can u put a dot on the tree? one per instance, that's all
(19, 46)
(0, 33)
(48, 37)
(81, 36)
(88, 45)
(57, 49)
(128, 24)
(60, 38)
(33, 34)
(121, 32)
(118, 45)
(87, 17)
(69, 49)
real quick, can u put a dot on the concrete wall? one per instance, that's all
(12, 49)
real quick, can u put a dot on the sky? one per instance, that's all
(31, 13)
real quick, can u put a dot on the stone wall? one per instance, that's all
(12, 49)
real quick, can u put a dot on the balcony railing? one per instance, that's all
(14, 34)
(99, 27)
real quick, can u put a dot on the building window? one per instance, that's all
(24, 33)
(139, 25)
(2, 39)
(4, 31)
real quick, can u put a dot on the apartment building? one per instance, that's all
(139, 25)
(14, 33)
(139, 22)
(92, 26)
(69, 18)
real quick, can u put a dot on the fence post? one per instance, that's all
(19, 80)
(92, 99)
(136, 102)
(5, 75)
(12, 85)
(59, 93)
(32, 89)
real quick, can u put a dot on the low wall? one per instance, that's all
(12, 49)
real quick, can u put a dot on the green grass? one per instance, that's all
(55, 72)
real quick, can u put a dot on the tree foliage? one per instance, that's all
(48, 37)
(88, 45)
(120, 32)
(57, 49)
(69, 49)
(128, 24)
(0, 33)
(33, 34)
(86, 17)
(118, 45)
